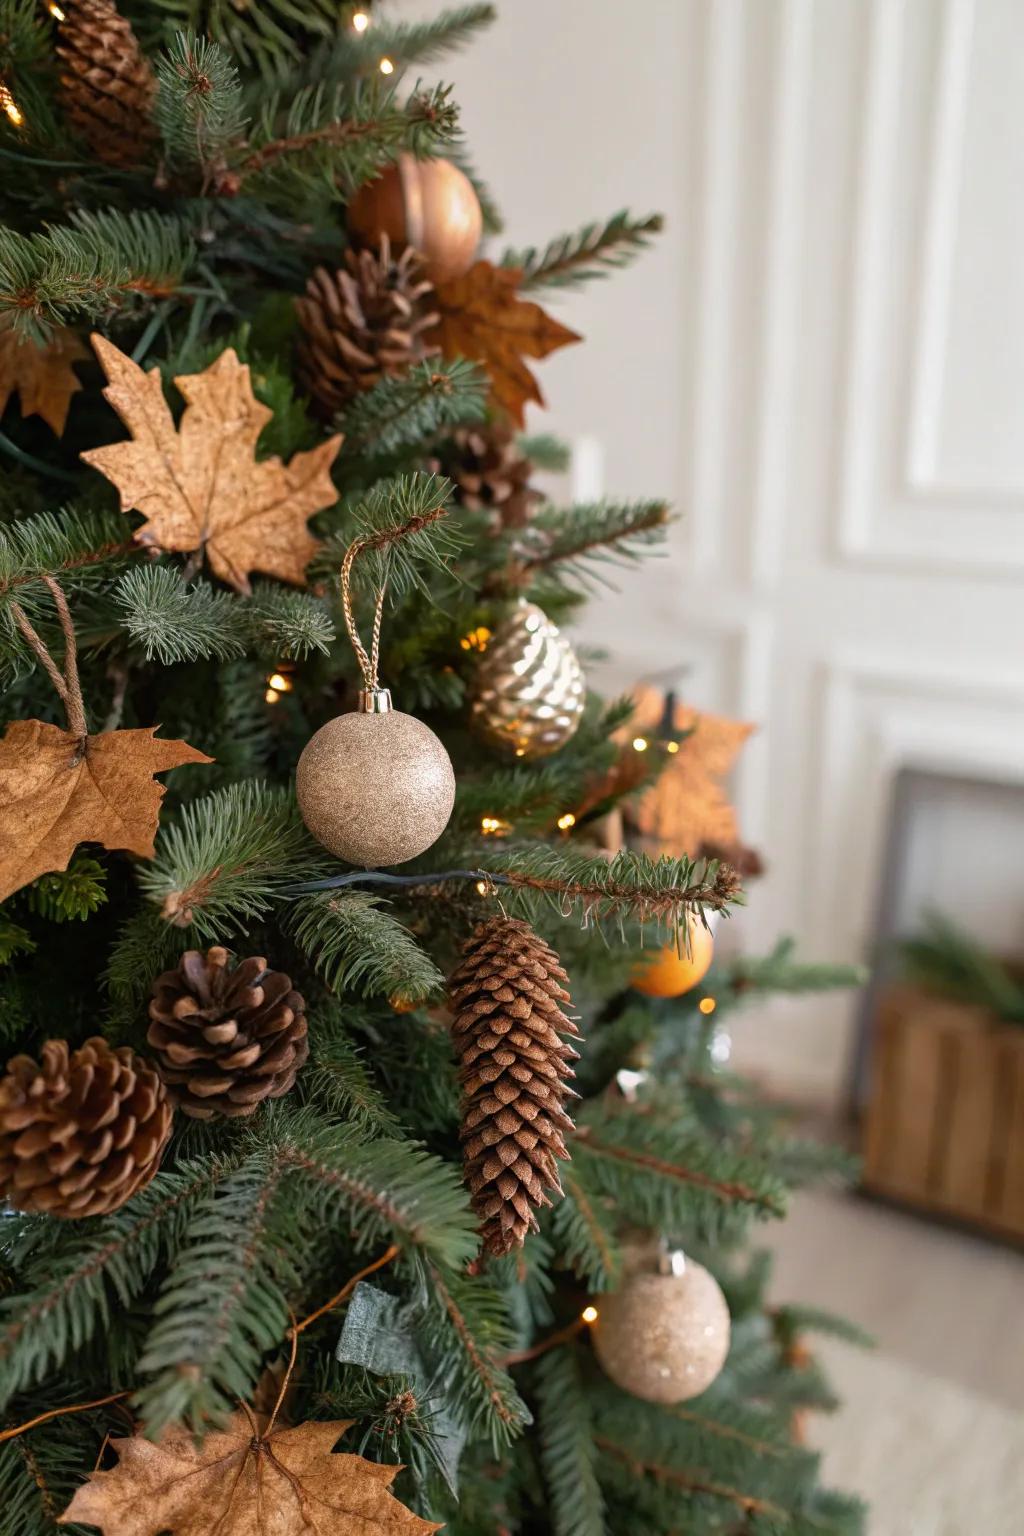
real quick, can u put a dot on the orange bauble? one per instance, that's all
(668, 974)
(428, 204)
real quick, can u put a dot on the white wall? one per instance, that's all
(822, 363)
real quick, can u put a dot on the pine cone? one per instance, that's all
(361, 323)
(506, 996)
(491, 473)
(107, 84)
(81, 1133)
(226, 1039)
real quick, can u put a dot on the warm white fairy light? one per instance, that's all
(707, 1005)
(280, 682)
(639, 743)
(360, 21)
(10, 106)
(271, 696)
(589, 1314)
(566, 821)
(386, 66)
(494, 826)
(672, 746)
(56, 12)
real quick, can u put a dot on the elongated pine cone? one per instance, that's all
(226, 1038)
(106, 83)
(83, 1131)
(490, 473)
(506, 997)
(361, 323)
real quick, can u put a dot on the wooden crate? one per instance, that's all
(945, 1122)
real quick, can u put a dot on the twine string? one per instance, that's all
(369, 662)
(67, 683)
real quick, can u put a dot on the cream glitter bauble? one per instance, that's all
(663, 1337)
(375, 786)
(529, 690)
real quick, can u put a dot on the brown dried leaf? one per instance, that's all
(200, 484)
(688, 805)
(42, 376)
(287, 1483)
(483, 318)
(58, 790)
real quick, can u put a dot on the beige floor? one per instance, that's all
(932, 1429)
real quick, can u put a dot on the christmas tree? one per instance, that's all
(365, 1106)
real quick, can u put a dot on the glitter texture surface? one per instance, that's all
(375, 789)
(663, 1337)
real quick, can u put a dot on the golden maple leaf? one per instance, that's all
(482, 317)
(58, 789)
(42, 376)
(241, 1483)
(688, 806)
(200, 484)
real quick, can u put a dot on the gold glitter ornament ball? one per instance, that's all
(529, 690)
(375, 788)
(663, 1338)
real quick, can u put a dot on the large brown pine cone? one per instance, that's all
(106, 83)
(226, 1038)
(361, 323)
(490, 473)
(506, 996)
(82, 1132)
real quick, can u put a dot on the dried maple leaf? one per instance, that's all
(238, 1483)
(483, 318)
(42, 376)
(688, 806)
(200, 484)
(58, 790)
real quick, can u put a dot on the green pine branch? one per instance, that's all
(409, 43)
(404, 532)
(74, 1285)
(199, 110)
(568, 1454)
(406, 412)
(357, 946)
(779, 971)
(603, 531)
(94, 265)
(339, 136)
(339, 1078)
(631, 886)
(174, 620)
(592, 252)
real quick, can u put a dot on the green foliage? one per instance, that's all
(604, 531)
(174, 621)
(339, 1077)
(199, 108)
(357, 946)
(69, 895)
(222, 862)
(402, 561)
(567, 1450)
(779, 971)
(97, 263)
(14, 940)
(949, 962)
(594, 251)
(405, 411)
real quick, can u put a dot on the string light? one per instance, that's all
(639, 743)
(672, 746)
(566, 821)
(477, 639)
(589, 1314)
(271, 696)
(280, 682)
(360, 21)
(482, 888)
(386, 66)
(707, 1005)
(494, 826)
(10, 106)
(56, 12)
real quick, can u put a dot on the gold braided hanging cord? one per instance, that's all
(369, 662)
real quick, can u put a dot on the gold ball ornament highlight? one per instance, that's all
(529, 690)
(664, 1336)
(375, 786)
(428, 204)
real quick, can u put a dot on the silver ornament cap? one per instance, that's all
(376, 786)
(529, 690)
(663, 1337)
